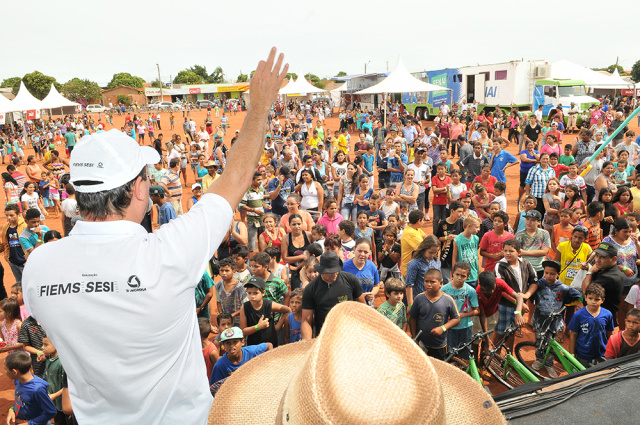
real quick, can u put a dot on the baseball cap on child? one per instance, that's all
(105, 161)
(231, 333)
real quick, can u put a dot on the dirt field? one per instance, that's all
(235, 122)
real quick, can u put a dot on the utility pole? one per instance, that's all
(160, 81)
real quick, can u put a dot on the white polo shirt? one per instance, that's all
(118, 303)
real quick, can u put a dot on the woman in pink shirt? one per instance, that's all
(551, 145)
(456, 129)
(331, 218)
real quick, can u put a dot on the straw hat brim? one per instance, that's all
(254, 396)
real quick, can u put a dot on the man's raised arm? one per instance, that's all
(245, 154)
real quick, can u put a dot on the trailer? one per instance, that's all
(522, 84)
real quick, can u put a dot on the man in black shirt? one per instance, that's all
(332, 286)
(606, 273)
(532, 132)
(157, 144)
(384, 175)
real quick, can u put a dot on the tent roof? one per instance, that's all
(340, 89)
(287, 89)
(5, 104)
(24, 101)
(401, 81)
(301, 85)
(564, 69)
(56, 100)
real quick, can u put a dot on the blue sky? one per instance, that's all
(94, 40)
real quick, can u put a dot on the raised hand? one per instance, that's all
(266, 82)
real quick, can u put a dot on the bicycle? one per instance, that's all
(468, 366)
(504, 366)
(546, 343)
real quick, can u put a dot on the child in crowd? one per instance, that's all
(620, 175)
(550, 296)
(240, 254)
(55, 375)
(10, 326)
(535, 242)
(567, 158)
(466, 300)
(31, 335)
(519, 274)
(561, 232)
(499, 189)
(393, 308)
(165, 211)
(377, 218)
(433, 313)
(574, 179)
(491, 292)
(529, 204)
(425, 257)
(363, 230)
(277, 267)
(293, 320)
(224, 321)
(230, 294)
(318, 233)
(395, 222)
(487, 223)
(492, 241)
(572, 198)
(634, 218)
(346, 231)
(389, 206)
(591, 328)
(31, 237)
(625, 342)
(255, 315)
(403, 217)
(389, 254)
(595, 211)
(559, 168)
(235, 356)
(32, 402)
(623, 202)
(209, 350)
(577, 214)
(308, 271)
(465, 248)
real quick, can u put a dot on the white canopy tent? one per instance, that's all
(300, 86)
(25, 101)
(55, 100)
(400, 80)
(566, 70)
(288, 88)
(336, 94)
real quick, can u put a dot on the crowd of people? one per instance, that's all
(328, 219)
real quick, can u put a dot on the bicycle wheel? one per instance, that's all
(495, 363)
(526, 354)
(456, 361)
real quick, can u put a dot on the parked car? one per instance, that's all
(205, 103)
(168, 105)
(95, 108)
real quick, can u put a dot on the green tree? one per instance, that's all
(341, 74)
(635, 72)
(82, 90)
(124, 99)
(187, 77)
(316, 81)
(10, 82)
(125, 79)
(242, 78)
(156, 83)
(200, 70)
(37, 83)
(216, 77)
(611, 68)
(290, 75)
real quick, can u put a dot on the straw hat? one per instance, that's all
(362, 369)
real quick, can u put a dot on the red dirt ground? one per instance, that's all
(235, 122)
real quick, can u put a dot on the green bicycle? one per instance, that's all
(468, 366)
(504, 366)
(546, 343)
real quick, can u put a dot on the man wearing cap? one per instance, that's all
(121, 309)
(572, 121)
(330, 287)
(606, 273)
(166, 213)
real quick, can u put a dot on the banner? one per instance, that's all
(194, 91)
(226, 89)
(33, 114)
(2, 122)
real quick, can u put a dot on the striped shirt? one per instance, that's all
(253, 199)
(538, 178)
(172, 181)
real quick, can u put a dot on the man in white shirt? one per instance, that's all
(538, 113)
(118, 302)
(422, 174)
(192, 127)
(203, 136)
(444, 108)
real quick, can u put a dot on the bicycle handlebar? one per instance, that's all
(473, 339)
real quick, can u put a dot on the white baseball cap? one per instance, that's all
(104, 161)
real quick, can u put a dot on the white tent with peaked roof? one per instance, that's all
(55, 100)
(566, 70)
(5, 104)
(400, 80)
(300, 87)
(288, 89)
(24, 101)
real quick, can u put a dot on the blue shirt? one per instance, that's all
(416, 270)
(368, 162)
(32, 402)
(592, 332)
(28, 239)
(397, 177)
(166, 213)
(278, 203)
(225, 367)
(499, 163)
(368, 276)
(466, 299)
(294, 329)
